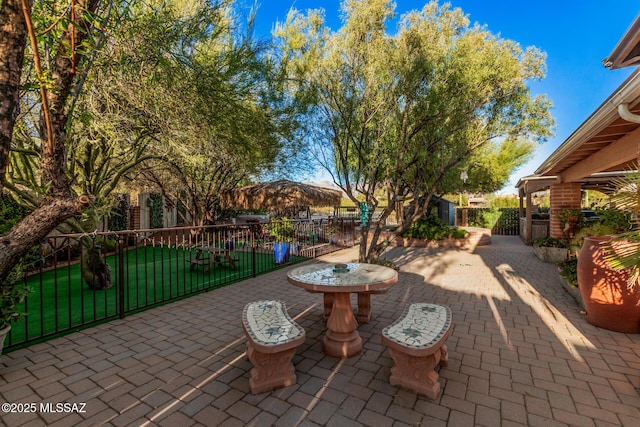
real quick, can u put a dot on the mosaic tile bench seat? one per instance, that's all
(416, 343)
(272, 338)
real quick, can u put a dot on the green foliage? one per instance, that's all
(619, 221)
(12, 293)
(571, 217)
(489, 168)
(594, 199)
(404, 111)
(625, 253)
(282, 229)
(155, 210)
(483, 217)
(106, 244)
(490, 217)
(63, 40)
(498, 202)
(571, 220)
(10, 213)
(204, 95)
(593, 230)
(433, 228)
(569, 270)
(118, 217)
(550, 242)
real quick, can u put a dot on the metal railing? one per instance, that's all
(352, 212)
(501, 221)
(86, 279)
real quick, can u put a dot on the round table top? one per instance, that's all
(322, 277)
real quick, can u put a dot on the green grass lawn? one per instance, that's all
(61, 301)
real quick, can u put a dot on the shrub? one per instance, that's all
(593, 230)
(282, 229)
(107, 244)
(569, 270)
(118, 217)
(550, 242)
(571, 220)
(433, 228)
(10, 213)
(619, 221)
(12, 293)
(155, 207)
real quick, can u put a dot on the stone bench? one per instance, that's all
(272, 338)
(416, 343)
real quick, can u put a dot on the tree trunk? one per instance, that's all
(58, 204)
(34, 228)
(63, 72)
(13, 39)
(364, 244)
(94, 268)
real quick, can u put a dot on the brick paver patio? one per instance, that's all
(520, 354)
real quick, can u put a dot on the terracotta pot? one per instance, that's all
(609, 304)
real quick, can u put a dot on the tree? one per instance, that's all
(489, 167)
(61, 44)
(402, 112)
(228, 121)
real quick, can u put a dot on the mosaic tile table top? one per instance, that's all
(421, 326)
(269, 324)
(359, 277)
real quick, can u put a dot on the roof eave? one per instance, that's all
(627, 51)
(627, 93)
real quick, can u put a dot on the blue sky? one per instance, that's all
(576, 35)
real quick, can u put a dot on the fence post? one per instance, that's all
(352, 227)
(121, 274)
(253, 261)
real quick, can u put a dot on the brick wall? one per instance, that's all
(135, 218)
(563, 196)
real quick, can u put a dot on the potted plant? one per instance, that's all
(594, 230)
(571, 220)
(283, 232)
(550, 249)
(611, 293)
(609, 267)
(12, 293)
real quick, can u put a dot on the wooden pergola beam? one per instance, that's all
(622, 151)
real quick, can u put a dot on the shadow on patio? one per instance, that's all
(520, 354)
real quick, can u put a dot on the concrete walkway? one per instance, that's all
(520, 354)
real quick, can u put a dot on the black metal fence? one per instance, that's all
(81, 280)
(501, 221)
(352, 212)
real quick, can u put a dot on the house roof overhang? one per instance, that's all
(604, 142)
(627, 51)
(603, 147)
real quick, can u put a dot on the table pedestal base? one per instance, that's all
(342, 345)
(342, 338)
